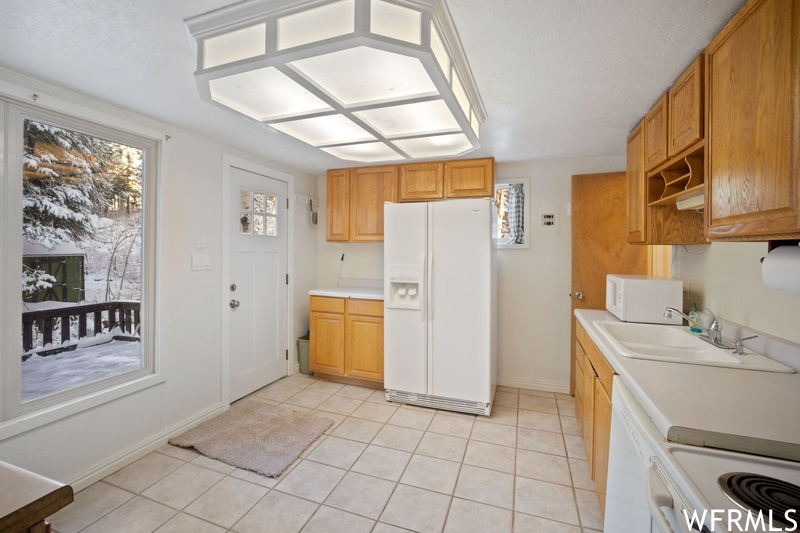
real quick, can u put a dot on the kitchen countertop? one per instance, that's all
(28, 498)
(742, 410)
(363, 293)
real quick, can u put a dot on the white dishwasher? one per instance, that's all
(633, 444)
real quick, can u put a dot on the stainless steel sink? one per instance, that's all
(678, 345)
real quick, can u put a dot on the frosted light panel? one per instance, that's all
(440, 145)
(317, 24)
(396, 22)
(367, 152)
(461, 94)
(330, 129)
(440, 52)
(382, 76)
(265, 94)
(476, 126)
(234, 46)
(411, 119)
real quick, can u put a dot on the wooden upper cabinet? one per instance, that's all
(370, 187)
(637, 186)
(655, 134)
(337, 222)
(469, 178)
(753, 127)
(421, 182)
(685, 108)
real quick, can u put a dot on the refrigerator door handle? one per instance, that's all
(423, 292)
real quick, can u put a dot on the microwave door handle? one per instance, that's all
(658, 496)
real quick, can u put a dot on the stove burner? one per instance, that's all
(761, 493)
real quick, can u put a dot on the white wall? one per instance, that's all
(726, 278)
(533, 284)
(83, 447)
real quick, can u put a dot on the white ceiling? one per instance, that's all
(558, 78)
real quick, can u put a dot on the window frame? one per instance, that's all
(16, 416)
(499, 243)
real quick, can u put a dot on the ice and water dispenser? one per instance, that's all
(405, 287)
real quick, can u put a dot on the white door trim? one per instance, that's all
(228, 162)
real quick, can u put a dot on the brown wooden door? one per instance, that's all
(655, 134)
(337, 226)
(753, 121)
(599, 241)
(421, 182)
(469, 178)
(637, 186)
(370, 187)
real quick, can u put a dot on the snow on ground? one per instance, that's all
(45, 375)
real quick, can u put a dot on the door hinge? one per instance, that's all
(287, 355)
(287, 203)
(287, 279)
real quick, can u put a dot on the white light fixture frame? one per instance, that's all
(233, 37)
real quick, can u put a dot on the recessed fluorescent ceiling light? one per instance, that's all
(364, 80)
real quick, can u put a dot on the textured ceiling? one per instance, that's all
(558, 78)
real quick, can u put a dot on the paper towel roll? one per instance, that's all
(781, 269)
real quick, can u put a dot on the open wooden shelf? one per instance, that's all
(680, 177)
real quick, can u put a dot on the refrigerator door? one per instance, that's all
(405, 316)
(460, 299)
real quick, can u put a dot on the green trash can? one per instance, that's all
(302, 353)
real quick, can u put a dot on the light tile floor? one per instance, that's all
(381, 467)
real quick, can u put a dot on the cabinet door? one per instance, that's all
(602, 439)
(753, 125)
(655, 134)
(337, 222)
(579, 389)
(637, 186)
(588, 410)
(370, 187)
(686, 108)
(364, 347)
(469, 178)
(326, 347)
(421, 182)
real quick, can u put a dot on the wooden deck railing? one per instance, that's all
(126, 315)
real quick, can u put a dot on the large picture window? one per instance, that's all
(87, 259)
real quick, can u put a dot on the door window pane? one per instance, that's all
(82, 259)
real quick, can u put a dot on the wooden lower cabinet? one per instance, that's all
(593, 379)
(346, 341)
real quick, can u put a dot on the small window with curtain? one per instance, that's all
(511, 205)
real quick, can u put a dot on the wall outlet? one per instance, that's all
(201, 262)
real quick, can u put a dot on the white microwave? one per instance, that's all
(643, 298)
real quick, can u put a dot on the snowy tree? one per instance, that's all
(69, 179)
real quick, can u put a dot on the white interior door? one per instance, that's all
(258, 289)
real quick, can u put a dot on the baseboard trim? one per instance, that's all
(97, 472)
(534, 384)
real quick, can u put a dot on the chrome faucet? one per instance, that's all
(713, 333)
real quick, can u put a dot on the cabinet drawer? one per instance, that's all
(604, 371)
(327, 305)
(365, 307)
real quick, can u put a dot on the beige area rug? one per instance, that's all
(255, 436)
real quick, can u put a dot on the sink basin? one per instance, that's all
(678, 345)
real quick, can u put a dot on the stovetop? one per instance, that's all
(698, 472)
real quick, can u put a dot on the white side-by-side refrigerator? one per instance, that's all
(439, 315)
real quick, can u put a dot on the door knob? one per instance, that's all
(234, 304)
(577, 295)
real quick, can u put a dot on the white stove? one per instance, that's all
(764, 492)
(660, 487)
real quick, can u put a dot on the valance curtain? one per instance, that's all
(516, 216)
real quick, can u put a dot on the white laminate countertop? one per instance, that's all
(741, 410)
(363, 293)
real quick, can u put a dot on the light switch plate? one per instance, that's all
(201, 262)
(548, 221)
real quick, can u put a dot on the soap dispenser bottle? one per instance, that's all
(694, 322)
